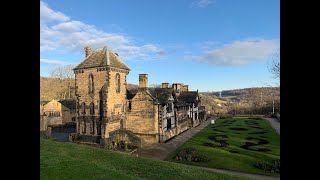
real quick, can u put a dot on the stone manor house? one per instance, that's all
(107, 110)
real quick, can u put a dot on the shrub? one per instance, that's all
(191, 154)
(225, 116)
(274, 166)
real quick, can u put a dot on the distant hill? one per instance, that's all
(132, 86)
(255, 100)
(245, 91)
(53, 88)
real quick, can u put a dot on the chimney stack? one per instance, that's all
(143, 81)
(165, 85)
(186, 88)
(88, 50)
(176, 86)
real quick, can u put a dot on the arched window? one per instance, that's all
(129, 105)
(118, 83)
(101, 107)
(84, 127)
(92, 126)
(91, 108)
(91, 84)
(83, 108)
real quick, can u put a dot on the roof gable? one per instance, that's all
(70, 104)
(131, 93)
(102, 57)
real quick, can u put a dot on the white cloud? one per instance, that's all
(201, 3)
(59, 32)
(48, 15)
(238, 52)
(52, 62)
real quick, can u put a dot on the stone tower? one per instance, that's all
(100, 87)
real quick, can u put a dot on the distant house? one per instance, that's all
(60, 112)
(42, 103)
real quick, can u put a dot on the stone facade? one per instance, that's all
(107, 111)
(101, 93)
(142, 118)
(43, 122)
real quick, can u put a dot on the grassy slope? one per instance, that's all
(242, 161)
(73, 161)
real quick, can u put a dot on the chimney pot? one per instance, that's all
(88, 50)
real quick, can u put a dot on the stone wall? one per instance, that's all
(182, 127)
(43, 123)
(83, 96)
(125, 135)
(67, 115)
(116, 101)
(168, 134)
(112, 126)
(147, 139)
(54, 121)
(109, 103)
(82, 88)
(143, 116)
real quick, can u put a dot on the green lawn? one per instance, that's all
(240, 159)
(74, 161)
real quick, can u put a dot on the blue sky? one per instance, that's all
(211, 45)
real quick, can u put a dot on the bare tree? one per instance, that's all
(155, 86)
(274, 66)
(65, 74)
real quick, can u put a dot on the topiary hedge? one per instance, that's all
(273, 166)
(191, 154)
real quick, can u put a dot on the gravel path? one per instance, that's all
(257, 176)
(162, 150)
(275, 124)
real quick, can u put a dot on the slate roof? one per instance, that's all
(99, 58)
(131, 93)
(188, 97)
(44, 102)
(70, 104)
(161, 94)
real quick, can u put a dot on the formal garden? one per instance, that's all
(240, 144)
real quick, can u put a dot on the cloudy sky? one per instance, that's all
(210, 45)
